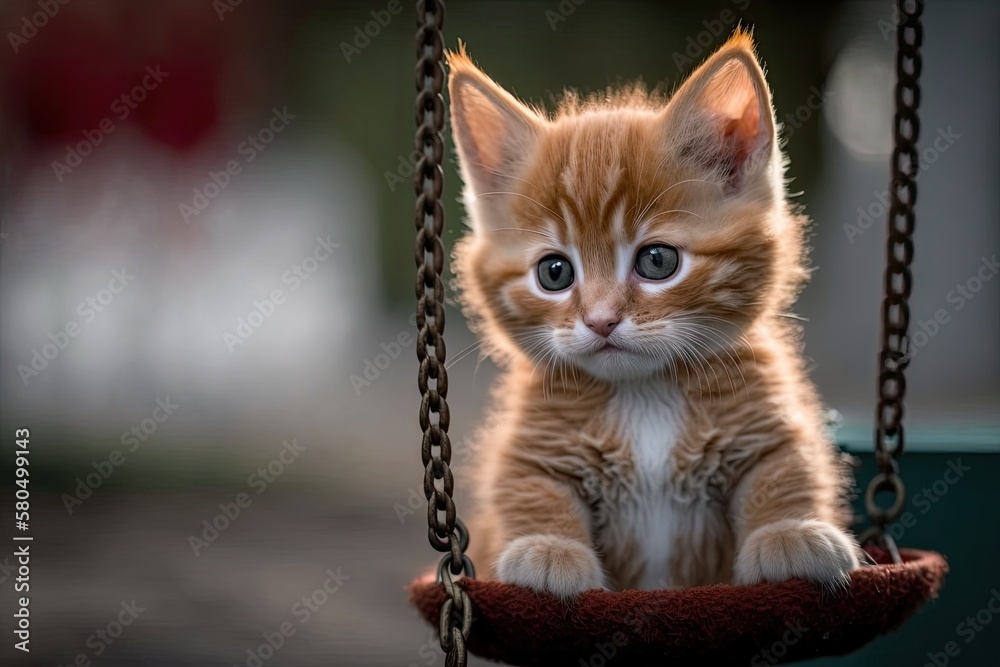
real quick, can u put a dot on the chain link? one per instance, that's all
(445, 531)
(894, 356)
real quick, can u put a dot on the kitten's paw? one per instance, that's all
(556, 565)
(789, 549)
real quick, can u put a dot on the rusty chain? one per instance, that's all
(894, 356)
(445, 531)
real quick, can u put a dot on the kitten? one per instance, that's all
(628, 263)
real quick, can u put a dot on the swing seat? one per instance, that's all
(707, 625)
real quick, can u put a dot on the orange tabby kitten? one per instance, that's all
(628, 264)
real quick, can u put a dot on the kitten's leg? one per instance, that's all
(545, 543)
(785, 513)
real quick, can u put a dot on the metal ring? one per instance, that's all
(885, 482)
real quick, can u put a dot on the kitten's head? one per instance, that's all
(626, 233)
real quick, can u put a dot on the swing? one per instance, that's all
(713, 625)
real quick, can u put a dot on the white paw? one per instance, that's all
(556, 565)
(796, 549)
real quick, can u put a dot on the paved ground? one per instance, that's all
(212, 608)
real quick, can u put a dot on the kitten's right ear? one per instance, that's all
(722, 116)
(494, 133)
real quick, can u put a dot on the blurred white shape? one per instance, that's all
(164, 333)
(860, 109)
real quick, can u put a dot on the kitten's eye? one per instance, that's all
(555, 273)
(656, 262)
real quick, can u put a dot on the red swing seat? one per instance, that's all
(707, 625)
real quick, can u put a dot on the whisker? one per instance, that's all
(676, 210)
(503, 175)
(547, 235)
(462, 355)
(726, 344)
(704, 340)
(668, 189)
(697, 346)
(742, 336)
(531, 199)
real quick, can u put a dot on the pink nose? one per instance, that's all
(602, 323)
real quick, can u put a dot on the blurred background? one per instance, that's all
(205, 286)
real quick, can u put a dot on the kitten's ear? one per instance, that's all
(494, 133)
(722, 119)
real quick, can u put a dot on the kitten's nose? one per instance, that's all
(601, 322)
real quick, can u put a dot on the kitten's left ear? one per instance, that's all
(722, 119)
(494, 133)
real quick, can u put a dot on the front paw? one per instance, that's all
(790, 549)
(556, 565)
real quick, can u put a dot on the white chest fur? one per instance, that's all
(649, 415)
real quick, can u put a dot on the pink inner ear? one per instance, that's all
(744, 136)
(493, 131)
(483, 128)
(746, 129)
(731, 97)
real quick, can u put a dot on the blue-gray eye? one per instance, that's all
(555, 273)
(656, 262)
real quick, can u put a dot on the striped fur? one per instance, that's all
(693, 452)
